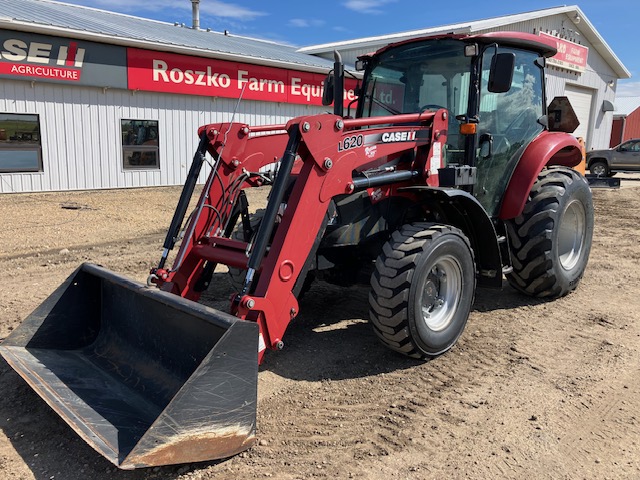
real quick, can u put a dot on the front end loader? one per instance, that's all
(453, 173)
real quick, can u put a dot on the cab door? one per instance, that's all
(507, 123)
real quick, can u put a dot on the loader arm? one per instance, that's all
(322, 152)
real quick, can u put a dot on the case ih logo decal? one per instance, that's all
(371, 141)
(390, 137)
(44, 60)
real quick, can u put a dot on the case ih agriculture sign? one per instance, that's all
(35, 59)
(61, 60)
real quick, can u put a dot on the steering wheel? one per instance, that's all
(430, 106)
(517, 122)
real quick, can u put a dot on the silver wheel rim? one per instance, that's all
(598, 169)
(571, 235)
(441, 293)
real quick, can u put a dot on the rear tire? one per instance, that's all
(422, 289)
(550, 242)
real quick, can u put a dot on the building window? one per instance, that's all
(140, 144)
(20, 147)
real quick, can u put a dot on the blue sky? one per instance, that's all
(313, 22)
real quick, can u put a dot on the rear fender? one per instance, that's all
(549, 148)
(463, 211)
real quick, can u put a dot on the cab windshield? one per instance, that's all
(419, 76)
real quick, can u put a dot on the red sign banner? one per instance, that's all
(570, 56)
(173, 73)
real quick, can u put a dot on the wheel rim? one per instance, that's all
(571, 235)
(599, 169)
(441, 293)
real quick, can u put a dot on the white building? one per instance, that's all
(91, 99)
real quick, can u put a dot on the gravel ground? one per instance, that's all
(533, 389)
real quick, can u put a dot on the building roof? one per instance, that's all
(91, 24)
(586, 29)
(625, 106)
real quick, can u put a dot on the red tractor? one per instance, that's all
(451, 174)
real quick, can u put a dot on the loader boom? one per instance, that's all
(321, 153)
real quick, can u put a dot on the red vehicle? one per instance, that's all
(448, 176)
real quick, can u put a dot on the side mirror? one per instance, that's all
(501, 73)
(328, 89)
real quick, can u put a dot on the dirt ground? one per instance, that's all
(533, 389)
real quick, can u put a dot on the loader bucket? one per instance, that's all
(145, 377)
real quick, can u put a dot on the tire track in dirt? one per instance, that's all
(603, 427)
(389, 413)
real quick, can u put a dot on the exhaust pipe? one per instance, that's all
(195, 10)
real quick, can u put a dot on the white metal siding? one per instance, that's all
(349, 56)
(81, 132)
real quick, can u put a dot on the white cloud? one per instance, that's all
(220, 9)
(627, 88)
(298, 22)
(367, 6)
(209, 7)
(305, 23)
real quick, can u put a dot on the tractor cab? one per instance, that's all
(491, 86)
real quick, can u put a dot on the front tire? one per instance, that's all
(422, 289)
(550, 242)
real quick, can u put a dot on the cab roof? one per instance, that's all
(546, 47)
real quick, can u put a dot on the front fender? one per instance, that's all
(548, 148)
(463, 211)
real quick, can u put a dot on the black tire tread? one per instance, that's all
(531, 234)
(391, 281)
